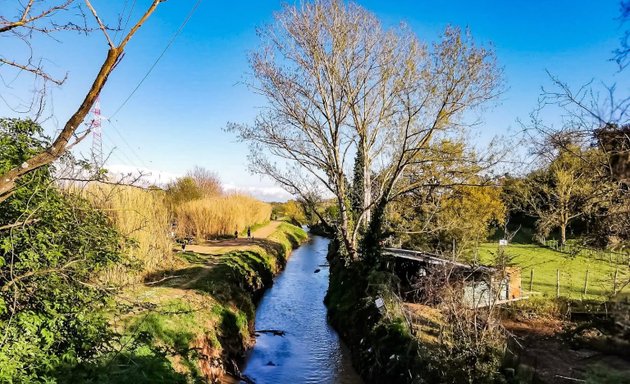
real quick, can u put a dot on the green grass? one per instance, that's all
(253, 228)
(207, 301)
(545, 262)
(289, 236)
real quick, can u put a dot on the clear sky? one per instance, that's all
(175, 119)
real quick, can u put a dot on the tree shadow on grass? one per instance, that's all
(132, 367)
(237, 278)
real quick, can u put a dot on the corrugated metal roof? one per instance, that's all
(430, 258)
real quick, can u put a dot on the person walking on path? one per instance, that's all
(249, 232)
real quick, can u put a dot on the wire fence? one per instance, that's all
(584, 284)
(595, 254)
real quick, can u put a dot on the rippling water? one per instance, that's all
(310, 351)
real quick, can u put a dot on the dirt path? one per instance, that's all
(266, 231)
(217, 247)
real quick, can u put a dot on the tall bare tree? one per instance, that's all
(337, 83)
(37, 17)
(591, 115)
(622, 53)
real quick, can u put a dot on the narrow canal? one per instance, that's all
(310, 350)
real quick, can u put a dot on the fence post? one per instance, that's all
(531, 280)
(586, 282)
(557, 283)
(615, 281)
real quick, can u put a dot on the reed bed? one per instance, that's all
(220, 216)
(142, 217)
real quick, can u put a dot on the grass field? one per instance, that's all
(545, 263)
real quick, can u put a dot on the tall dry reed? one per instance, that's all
(218, 216)
(141, 216)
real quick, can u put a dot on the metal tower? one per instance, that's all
(97, 135)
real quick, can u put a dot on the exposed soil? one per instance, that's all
(549, 357)
(264, 232)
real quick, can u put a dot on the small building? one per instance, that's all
(480, 285)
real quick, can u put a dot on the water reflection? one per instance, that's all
(310, 350)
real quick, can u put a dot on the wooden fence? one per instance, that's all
(575, 285)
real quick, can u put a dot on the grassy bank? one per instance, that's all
(193, 322)
(546, 262)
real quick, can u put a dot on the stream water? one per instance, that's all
(310, 351)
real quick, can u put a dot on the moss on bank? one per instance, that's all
(193, 323)
(383, 349)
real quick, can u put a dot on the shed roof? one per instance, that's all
(433, 259)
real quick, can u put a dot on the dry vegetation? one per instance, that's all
(142, 217)
(219, 216)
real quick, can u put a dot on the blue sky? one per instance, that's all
(175, 119)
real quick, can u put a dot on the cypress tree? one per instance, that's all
(358, 182)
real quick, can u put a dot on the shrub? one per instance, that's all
(52, 244)
(182, 190)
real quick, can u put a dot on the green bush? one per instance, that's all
(51, 247)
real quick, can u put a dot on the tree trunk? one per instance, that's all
(345, 230)
(67, 137)
(59, 146)
(563, 233)
(367, 184)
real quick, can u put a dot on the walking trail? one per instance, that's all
(215, 247)
(219, 247)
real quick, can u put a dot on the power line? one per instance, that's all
(133, 152)
(117, 152)
(133, 5)
(121, 17)
(168, 45)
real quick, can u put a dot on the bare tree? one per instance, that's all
(42, 20)
(589, 112)
(34, 18)
(207, 181)
(596, 117)
(338, 84)
(621, 53)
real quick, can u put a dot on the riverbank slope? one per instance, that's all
(194, 322)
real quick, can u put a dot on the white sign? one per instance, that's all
(379, 303)
(503, 242)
